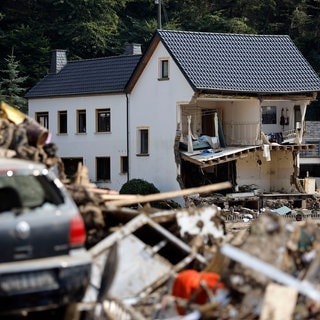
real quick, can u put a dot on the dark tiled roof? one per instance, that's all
(102, 75)
(240, 62)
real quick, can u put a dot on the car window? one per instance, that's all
(32, 190)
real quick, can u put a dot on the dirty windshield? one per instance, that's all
(18, 192)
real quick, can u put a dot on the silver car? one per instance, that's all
(43, 260)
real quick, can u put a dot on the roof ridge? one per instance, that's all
(223, 33)
(105, 58)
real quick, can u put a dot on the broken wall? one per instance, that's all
(281, 171)
(254, 169)
(270, 176)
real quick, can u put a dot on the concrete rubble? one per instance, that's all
(219, 258)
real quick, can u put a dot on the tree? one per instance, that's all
(95, 28)
(10, 85)
(305, 30)
(85, 28)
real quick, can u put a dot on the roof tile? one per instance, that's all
(241, 62)
(102, 75)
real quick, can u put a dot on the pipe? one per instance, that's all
(128, 162)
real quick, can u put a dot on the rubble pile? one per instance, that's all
(185, 263)
(249, 207)
(246, 275)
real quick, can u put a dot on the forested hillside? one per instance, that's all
(30, 29)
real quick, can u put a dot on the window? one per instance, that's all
(143, 141)
(81, 121)
(124, 164)
(103, 120)
(43, 119)
(164, 69)
(103, 168)
(297, 117)
(269, 115)
(71, 166)
(62, 122)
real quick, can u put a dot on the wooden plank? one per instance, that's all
(279, 302)
(117, 196)
(170, 194)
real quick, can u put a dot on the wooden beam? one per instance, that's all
(170, 194)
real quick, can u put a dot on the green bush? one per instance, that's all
(142, 187)
(138, 186)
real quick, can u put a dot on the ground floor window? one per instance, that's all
(71, 166)
(103, 168)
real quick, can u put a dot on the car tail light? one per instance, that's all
(77, 234)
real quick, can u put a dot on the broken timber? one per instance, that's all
(168, 195)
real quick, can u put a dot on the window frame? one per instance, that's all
(163, 73)
(124, 164)
(107, 177)
(45, 116)
(71, 165)
(143, 147)
(107, 128)
(81, 114)
(62, 113)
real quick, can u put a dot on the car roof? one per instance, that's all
(20, 165)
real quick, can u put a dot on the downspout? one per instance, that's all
(127, 111)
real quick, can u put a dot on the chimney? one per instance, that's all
(132, 48)
(58, 60)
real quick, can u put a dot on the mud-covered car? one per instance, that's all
(43, 261)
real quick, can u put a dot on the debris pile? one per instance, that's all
(186, 263)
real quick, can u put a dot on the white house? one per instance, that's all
(84, 106)
(198, 108)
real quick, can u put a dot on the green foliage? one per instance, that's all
(138, 186)
(95, 28)
(10, 85)
(142, 187)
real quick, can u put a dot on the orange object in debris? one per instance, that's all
(187, 285)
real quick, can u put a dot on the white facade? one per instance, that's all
(149, 118)
(154, 105)
(91, 144)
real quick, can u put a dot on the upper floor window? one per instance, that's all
(62, 122)
(143, 141)
(163, 69)
(103, 117)
(43, 119)
(269, 114)
(81, 121)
